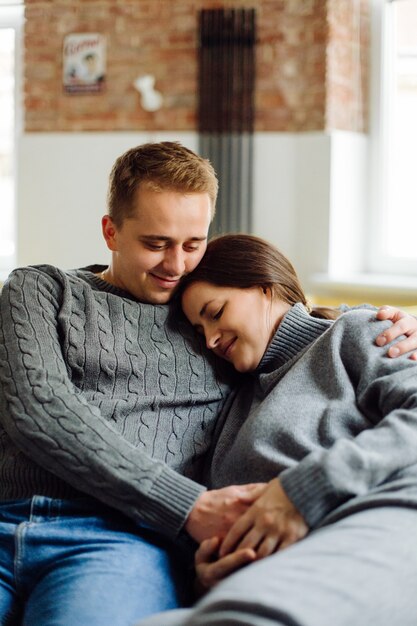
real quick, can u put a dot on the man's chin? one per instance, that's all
(159, 297)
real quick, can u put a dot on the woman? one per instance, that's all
(331, 423)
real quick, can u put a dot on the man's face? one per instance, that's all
(164, 239)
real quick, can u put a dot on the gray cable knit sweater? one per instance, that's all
(103, 395)
(329, 413)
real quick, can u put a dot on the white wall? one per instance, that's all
(349, 203)
(305, 184)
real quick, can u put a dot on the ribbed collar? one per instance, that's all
(296, 331)
(91, 275)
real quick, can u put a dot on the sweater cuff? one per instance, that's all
(170, 501)
(308, 488)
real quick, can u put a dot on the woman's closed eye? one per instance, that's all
(218, 315)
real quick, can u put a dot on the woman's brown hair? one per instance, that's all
(245, 261)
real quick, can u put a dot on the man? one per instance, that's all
(107, 405)
(106, 410)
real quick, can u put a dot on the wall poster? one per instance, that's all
(84, 63)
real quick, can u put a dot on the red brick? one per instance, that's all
(307, 70)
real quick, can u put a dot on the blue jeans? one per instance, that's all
(65, 562)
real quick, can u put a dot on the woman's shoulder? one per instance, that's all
(355, 317)
(359, 320)
(357, 328)
(354, 334)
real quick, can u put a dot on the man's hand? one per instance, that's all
(272, 523)
(403, 324)
(216, 511)
(210, 569)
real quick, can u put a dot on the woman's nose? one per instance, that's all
(212, 339)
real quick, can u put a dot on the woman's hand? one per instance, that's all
(272, 523)
(210, 569)
(215, 511)
(403, 324)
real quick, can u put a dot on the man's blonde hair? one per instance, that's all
(160, 166)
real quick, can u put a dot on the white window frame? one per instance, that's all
(377, 259)
(11, 16)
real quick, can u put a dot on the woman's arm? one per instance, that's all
(384, 390)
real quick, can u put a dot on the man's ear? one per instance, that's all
(109, 231)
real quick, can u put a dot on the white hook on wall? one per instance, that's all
(151, 99)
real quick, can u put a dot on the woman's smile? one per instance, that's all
(238, 324)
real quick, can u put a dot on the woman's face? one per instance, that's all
(238, 324)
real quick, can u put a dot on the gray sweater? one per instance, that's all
(103, 395)
(330, 414)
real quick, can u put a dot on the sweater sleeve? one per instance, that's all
(48, 418)
(385, 392)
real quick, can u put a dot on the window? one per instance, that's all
(10, 20)
(394, 138)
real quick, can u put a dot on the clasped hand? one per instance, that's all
(215, 511)
(270, 524)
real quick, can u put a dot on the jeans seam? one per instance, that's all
(19, 550)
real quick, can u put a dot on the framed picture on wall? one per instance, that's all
(84, 63)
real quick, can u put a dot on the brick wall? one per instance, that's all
(348, 65)
(312, 63)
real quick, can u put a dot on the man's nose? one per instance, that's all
(174, 261)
